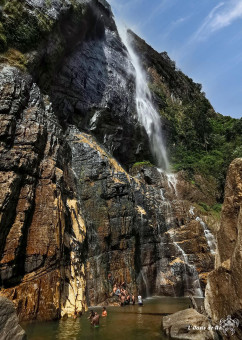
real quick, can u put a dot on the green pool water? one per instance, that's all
(122, 323)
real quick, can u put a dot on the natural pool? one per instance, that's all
(122, 323)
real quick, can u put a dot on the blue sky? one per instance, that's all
(204, 37)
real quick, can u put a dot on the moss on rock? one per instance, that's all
(3, 39)
(14, 58)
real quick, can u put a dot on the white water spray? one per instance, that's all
(147, 114)
(192, 286)
(209, 236)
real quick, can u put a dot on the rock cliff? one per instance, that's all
(223, 292)
(42, 230)
(78, 210)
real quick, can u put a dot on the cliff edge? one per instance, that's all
(223, 295)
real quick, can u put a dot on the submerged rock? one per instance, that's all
(9, 324)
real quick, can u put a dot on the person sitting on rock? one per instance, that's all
(104, 312)
(127, 300)
(122, 300)
(117, 292)
(132, 299)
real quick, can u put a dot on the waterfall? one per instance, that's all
(150, 119)
(148, 116)
(192, 286)
(209, 236)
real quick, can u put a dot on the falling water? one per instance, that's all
(147, 114)
(209, 236)
(149, 118)
(192, 286)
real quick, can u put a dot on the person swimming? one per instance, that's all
(91, 315)
(104, 312)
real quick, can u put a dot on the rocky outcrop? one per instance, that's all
(188, 324)
(73, 220)
(42, 230)
(134, 233)
(58, 190)
(9, 326)
(223, 292)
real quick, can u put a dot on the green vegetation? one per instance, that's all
(14, 58)
(3, 39)
(205, 207)
(23, 28)
(199, 140)
(143, 163)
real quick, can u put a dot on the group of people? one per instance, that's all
(94, 317)
(124, 296)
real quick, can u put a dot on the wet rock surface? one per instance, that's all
(227, 274)
(9, 324)
(133, 232)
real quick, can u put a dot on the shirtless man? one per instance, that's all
(95, 320)
(133, 299)
(122, 299)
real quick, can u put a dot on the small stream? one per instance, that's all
(122, 323)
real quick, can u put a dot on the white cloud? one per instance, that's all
(222, 15)
(173, 26)
(227, 17)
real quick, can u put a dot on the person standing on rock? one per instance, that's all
(140, 300)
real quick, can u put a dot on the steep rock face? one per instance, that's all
(223, 292)
(40, 217)
(70, 213)
(95, 90)
(74, 52)
(133, 232)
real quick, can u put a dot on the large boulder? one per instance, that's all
(9, 326)
(188, 324)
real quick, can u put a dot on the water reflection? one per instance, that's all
(68, 329)
(129, 323)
